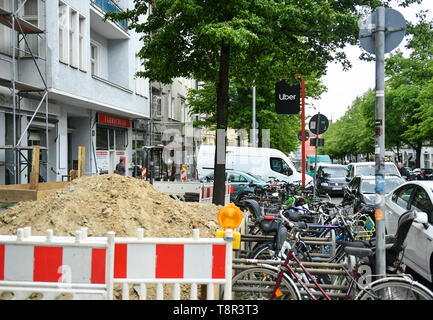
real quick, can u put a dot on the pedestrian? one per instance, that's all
(120, 167)
(403, 171)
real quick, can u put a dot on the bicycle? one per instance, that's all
(266, 281)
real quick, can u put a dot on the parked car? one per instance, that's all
(418, 196)
(239, 180)
(331, 178)
(412, 176)
(265, 163)
(369, 169)
(423, 174)
(363, 189)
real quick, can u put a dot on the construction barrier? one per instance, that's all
(177, 261)
(183, 173)
(206, 194)
(84, 267)
(78, 268)
(203, 190)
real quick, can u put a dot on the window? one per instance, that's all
(94, 58)
(81, 44)
(421, 202)
(171, 108)
(368, 186)
(426, 160)
(402, 196)
(140, 82)
(157, 105)
(30, 14)
(63, 33)
(234, 177)
(183, 110)
(280, 166)
(5, 32)
(102, 138)
(334, 172)
(121, 141)
(73, 38)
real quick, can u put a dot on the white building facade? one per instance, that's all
(67, 79)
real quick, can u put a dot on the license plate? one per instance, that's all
(335, 188)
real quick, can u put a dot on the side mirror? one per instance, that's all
(422, 218)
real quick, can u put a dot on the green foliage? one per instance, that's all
(408, 102)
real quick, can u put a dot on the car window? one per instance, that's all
(235, 177)
(368, 186)
(370, 170)
(242, 179)
(402, 196)
(390, 169)
(333, 172)
(280, 166)
(366, 170)
(391, 184)
(421, 202)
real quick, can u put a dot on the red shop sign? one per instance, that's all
(113, 121)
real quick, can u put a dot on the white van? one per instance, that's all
(264, 163)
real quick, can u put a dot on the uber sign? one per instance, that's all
(287, 98)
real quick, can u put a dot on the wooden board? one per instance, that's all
(22, 192)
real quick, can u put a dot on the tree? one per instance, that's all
(407, 79)
(253, 41)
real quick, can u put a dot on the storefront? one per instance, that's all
(111, 142)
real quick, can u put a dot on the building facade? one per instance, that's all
(67, 79)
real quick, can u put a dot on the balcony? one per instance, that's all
(98, 9)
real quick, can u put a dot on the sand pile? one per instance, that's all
(111, 203)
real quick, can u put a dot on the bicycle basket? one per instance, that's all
(363, 229)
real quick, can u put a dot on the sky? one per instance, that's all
(345, 86)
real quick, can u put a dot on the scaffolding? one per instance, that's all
(21, 29)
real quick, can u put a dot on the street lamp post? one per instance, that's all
(303, 128)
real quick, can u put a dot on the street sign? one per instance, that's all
(315, 126)
(287, 98)
(395, 29)
(307, 135)
(320, 142)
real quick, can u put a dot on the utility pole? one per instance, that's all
(380, 140)
(253, 125)
(381, 33)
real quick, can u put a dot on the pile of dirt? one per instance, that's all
(111, 203)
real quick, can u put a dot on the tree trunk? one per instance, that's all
(222, 118)
(418, 155)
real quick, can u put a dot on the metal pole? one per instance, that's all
(380, 141)
(14, 124)
(303, 128)
(303, 132)
(253, 125)
(315, 154)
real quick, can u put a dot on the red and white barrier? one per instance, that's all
(183, 173)
(51, 266)
(206, 193)
(87, 267)
(175, 261)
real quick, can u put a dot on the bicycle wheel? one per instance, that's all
(394, 288)
(263, 251)
(258, 283)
